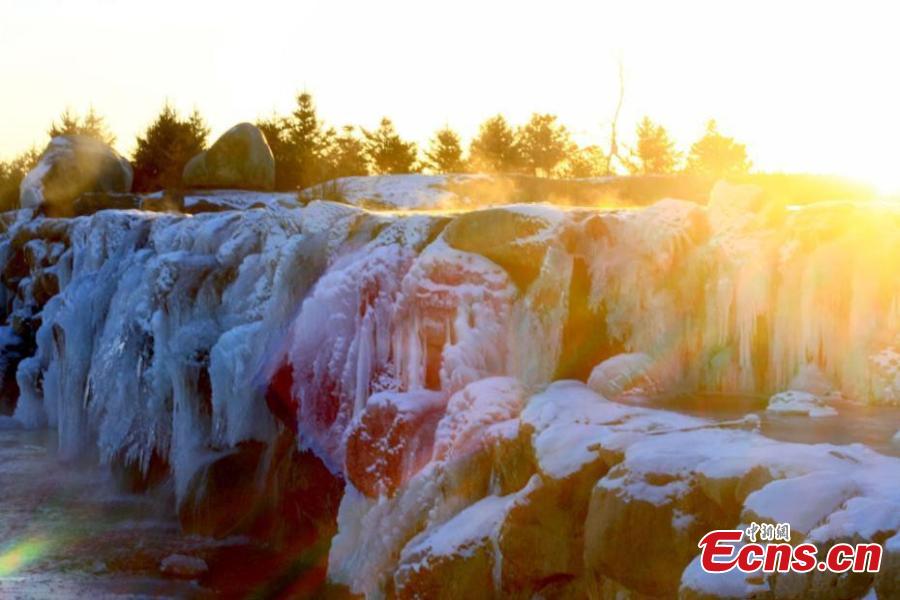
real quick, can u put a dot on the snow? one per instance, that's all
(622, 373)
(180, 565)
(799, 403)
(404, 192)
(472, 410)
(241, 200)
(464, 531)
(822, 493)
(570, 421)
(732, 584)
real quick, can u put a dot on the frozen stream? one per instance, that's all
(66, 531)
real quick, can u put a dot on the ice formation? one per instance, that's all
(415, 355)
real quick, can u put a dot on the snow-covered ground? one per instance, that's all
(400, 192)
(427, 359)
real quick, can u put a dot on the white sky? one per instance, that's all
(809, 86)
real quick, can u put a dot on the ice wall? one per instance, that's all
(179, 337)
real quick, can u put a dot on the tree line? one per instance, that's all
(308, 151)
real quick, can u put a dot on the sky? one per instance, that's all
(808, 86)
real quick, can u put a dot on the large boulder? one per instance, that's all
(70, 166)
(515, 237)
(392, 440)
(240, 159)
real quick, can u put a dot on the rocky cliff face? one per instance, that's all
(382, 378)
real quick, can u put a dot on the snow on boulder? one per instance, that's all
(514, 237)
(655, 502)
(392, 439)
(803, 501)
(70, 166)
(180, 565)
(799, 403)
(622, 374)
(472, 410)
(697, 584)
(240, 159)
(457, 559)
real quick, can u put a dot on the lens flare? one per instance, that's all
(20, 555)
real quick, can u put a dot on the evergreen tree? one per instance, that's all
(543, 144)
(274, 129)
(581, 163)
(494, 149)
(11, 174)
(716, 155)
(346, 155)
(309, 140)
(92, 125)
(387, 152)
(655, 152)
(299, 143)
(444, 153)
(165, 148)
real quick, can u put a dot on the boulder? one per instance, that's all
(70, 166)
(456, 559)
(392, 439)
(240, 159)
(516, 238)
(623, 373)
(887, 582)
(793, 402)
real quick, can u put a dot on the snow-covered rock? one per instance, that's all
(392, 439)
(623, 373)
(799, 403)
(70, 166)
(180, 565)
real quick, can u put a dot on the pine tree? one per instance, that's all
(11, 174)
(543, 143)
(494, 149)
(165, 148)
(299, 143)
(387, 152)
(309, 139)
(92, 125)
(716, 155)
(346, 155)
(581, 163)
(655, 152)
(274, 129)
(444, 153)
